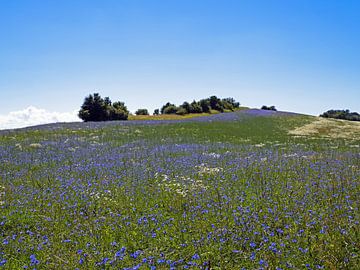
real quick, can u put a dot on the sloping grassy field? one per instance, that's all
(242, 190)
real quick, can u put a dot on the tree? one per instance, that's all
(156, 112)
(205, 105)
(172, 109)
(181, 111)
(187, 107)
(119, 111)
(95, 108)
(230, 103)
(195, 107)
(270, 108)
(142, 112)
(342, 114)
(168, 104)
(216, 104)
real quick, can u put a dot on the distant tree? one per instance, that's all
(168, 104)
(205, 105)
(195, 107)
(156, 112)
(95, 108)
(342, 114)
(216, 104)
(142, 112)
(230, 104)
(270, 108)
(118, 111)
(172, 109)
(186, 106)
(181, 111)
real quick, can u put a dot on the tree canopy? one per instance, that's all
(342, 114)
(268, 108)
(202, 106)
(95, 108)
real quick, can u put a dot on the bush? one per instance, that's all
(156, 112)
(142, 112)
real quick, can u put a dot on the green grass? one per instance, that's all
(206, 195)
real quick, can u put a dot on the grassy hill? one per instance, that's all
(250, 189)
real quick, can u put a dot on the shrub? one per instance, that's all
(156, 112)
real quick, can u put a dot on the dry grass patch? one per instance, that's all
(331, 128)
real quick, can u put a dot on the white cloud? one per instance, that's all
(35, 116)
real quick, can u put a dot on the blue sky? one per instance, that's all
(299, 55)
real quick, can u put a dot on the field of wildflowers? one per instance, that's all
(228, 191)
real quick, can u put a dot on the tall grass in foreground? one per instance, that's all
(221, 195)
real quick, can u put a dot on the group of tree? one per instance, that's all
(341, 114)
(268, 108)
(96, 108)
(201, 106)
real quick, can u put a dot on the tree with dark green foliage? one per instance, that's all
(168, 104)
(118, 111)
(195, 107)
(270, 108)
(172, 109)
(142, 112)
(181, 111)
(205, 105)
(186, 107)
(202, 106)
(156, 112)
(342, 114)
(216, 104)
(230, 104)
(95, 108)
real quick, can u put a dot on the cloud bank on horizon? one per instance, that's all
(34, 116)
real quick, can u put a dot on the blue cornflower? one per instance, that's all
(135, 254)
(252, 244)
(195, 257)
(33, 260)
(2, 262)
